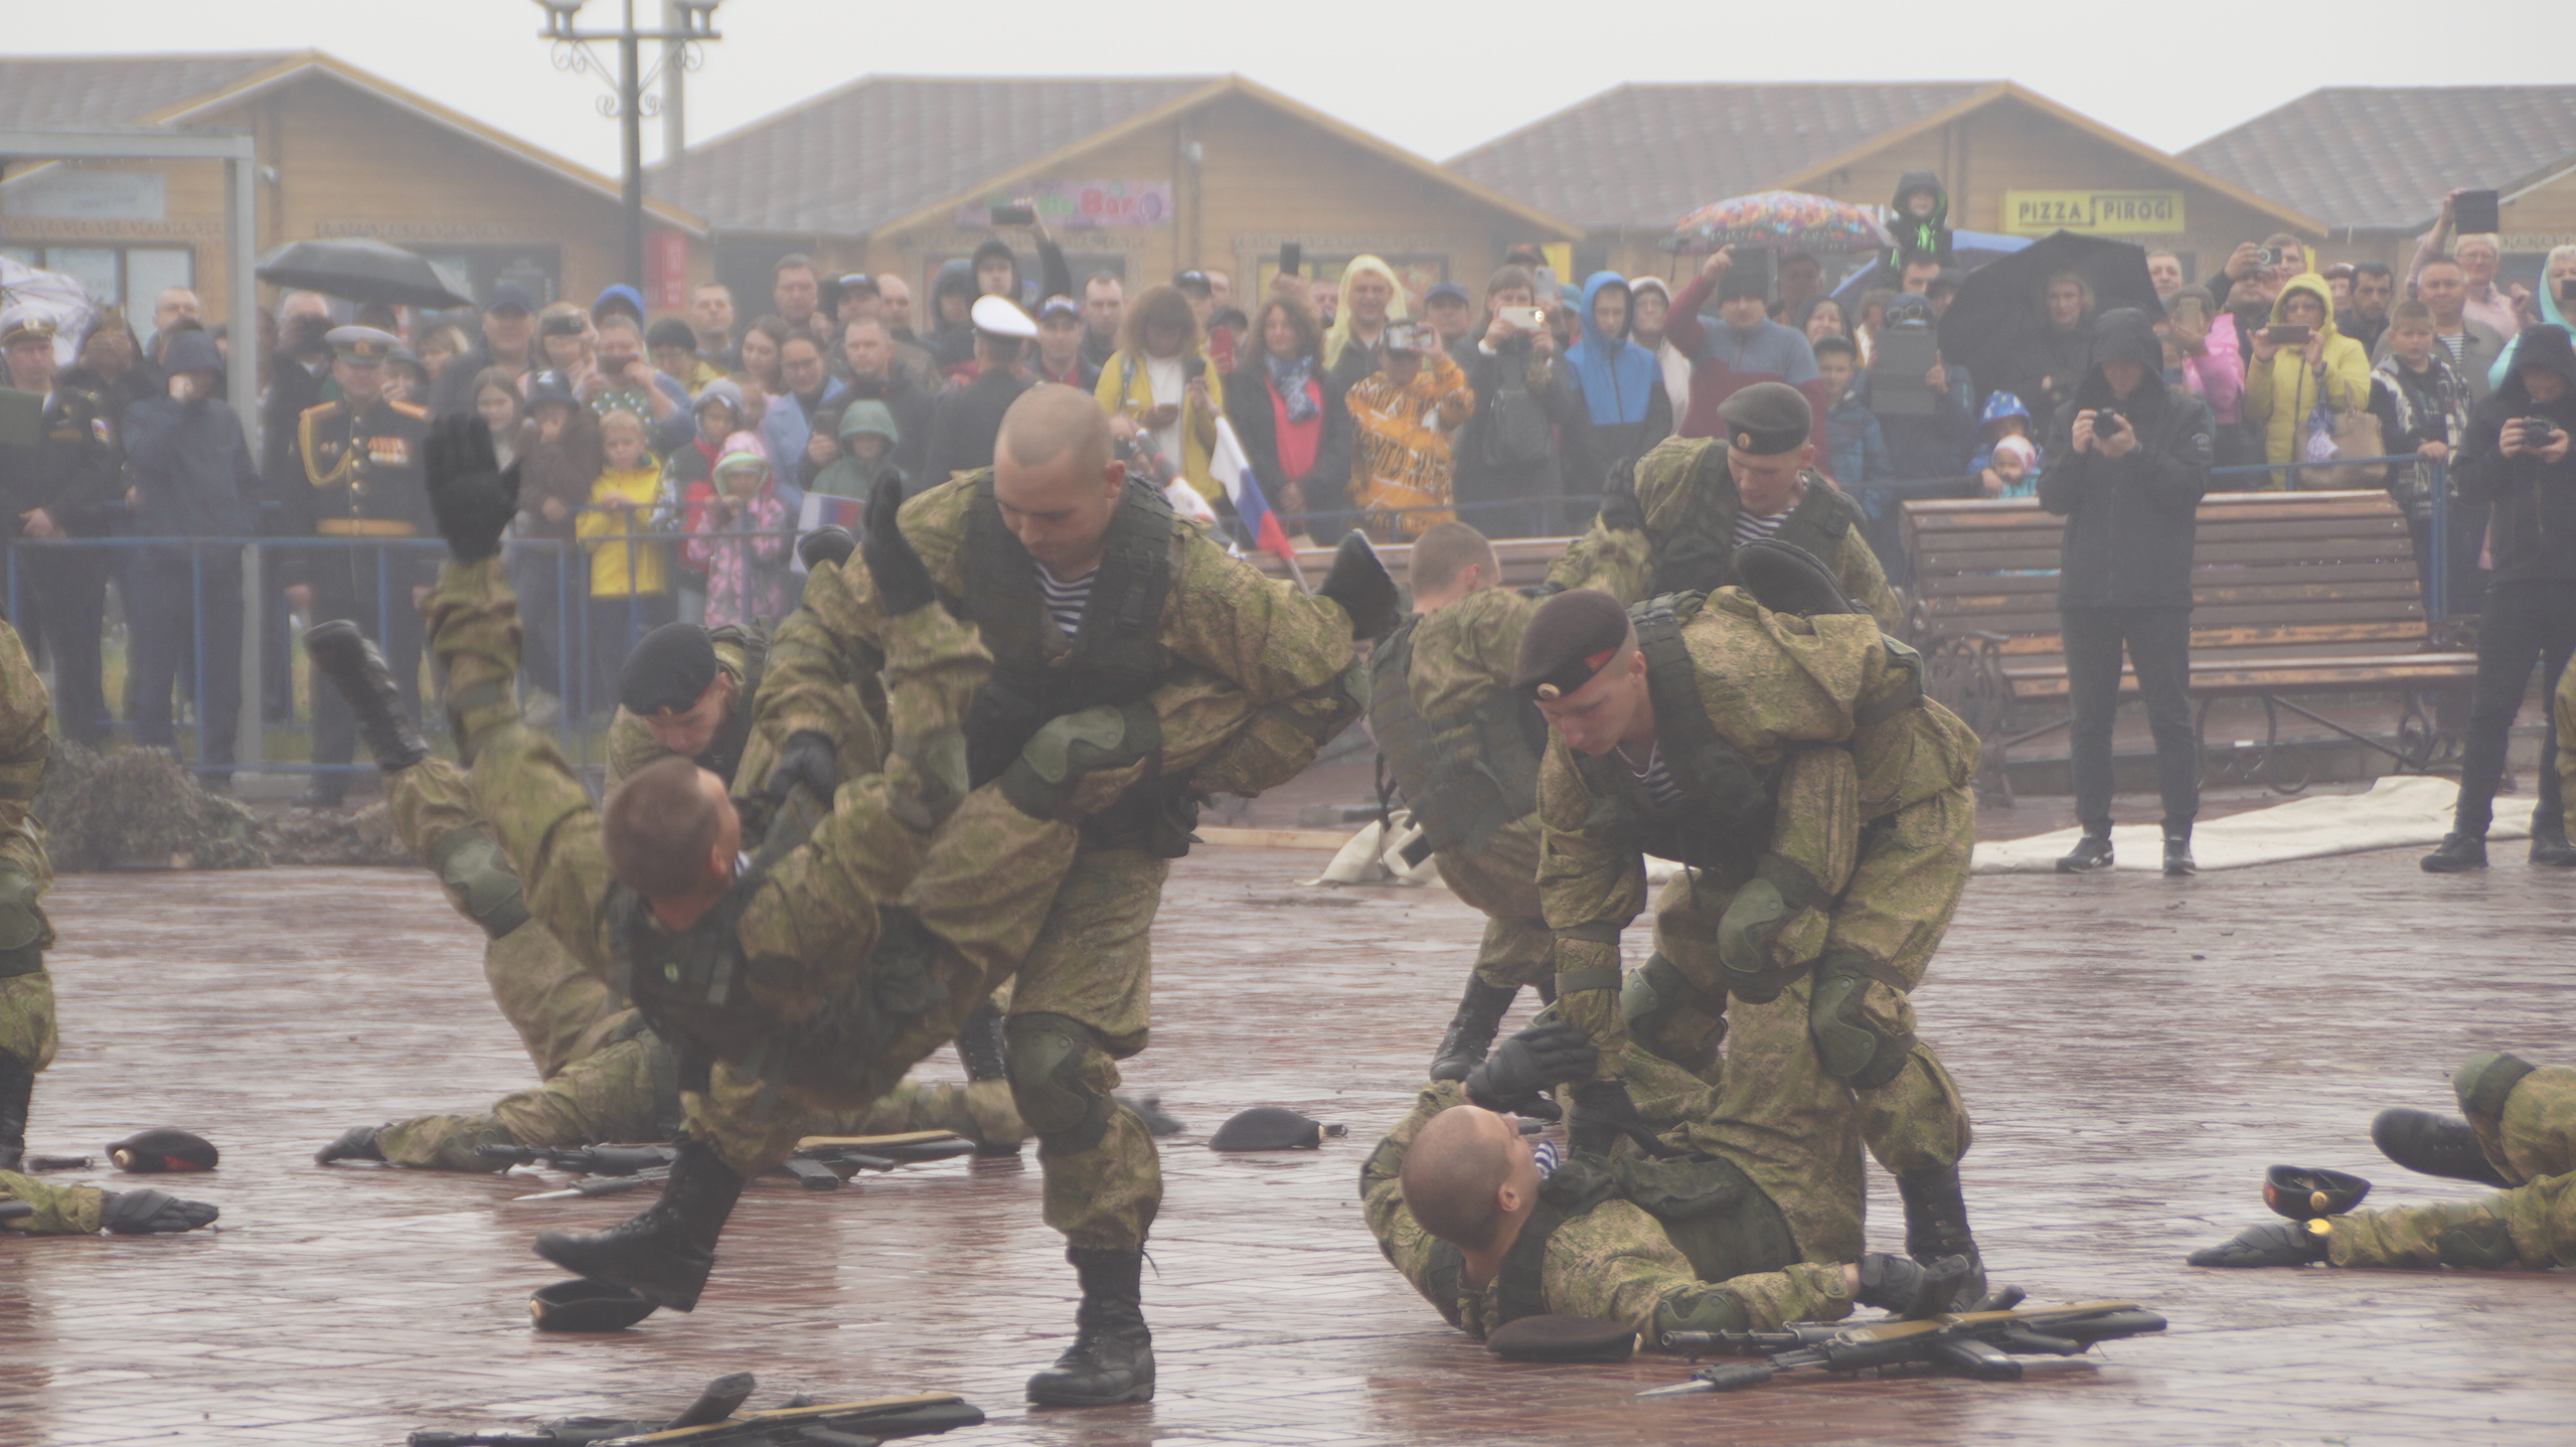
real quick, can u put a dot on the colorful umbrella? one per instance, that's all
(59, 299)
(1784, 220)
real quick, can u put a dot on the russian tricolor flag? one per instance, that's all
(1229, 466)
(824, 510)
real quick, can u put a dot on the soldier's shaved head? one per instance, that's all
(1051, 420)
(1446, 550)
(662, 826)
(1454, 1174)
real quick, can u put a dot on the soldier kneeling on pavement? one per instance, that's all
(2519, 1134)
(1491, 1227)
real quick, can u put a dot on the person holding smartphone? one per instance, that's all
(2516, 459)
(2301, 363)
(1159, 383)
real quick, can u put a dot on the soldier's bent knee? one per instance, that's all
(475, 871)
(1671, 1017)
(1046, 1056)
(1849, 1046)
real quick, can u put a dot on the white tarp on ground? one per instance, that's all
(2399, 811)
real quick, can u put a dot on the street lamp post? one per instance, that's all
(687, 25)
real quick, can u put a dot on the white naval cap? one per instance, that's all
(999, 316)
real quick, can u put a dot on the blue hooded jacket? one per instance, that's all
(1618, 377)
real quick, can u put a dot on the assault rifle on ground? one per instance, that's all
(821, 1163)
(710, 1421)
(1979, 1344)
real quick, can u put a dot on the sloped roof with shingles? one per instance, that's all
(77, 92)
(883, 147)
(1644, 155)
(2385, 156)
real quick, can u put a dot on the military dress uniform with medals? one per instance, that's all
(362, 467)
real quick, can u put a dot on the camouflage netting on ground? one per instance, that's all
(140, 806)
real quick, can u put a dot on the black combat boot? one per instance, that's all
(2549, 846)
(1911, 1290)
(665, 1253)
(1471, 1030)
(17, 1085)
(2437, 1145)
(1359, 581)
(357, 1143)
(343, 655)
(2091, 853)
(980, 1046)
(2178, 860)
(2458, 854)
(1936, 1226)
(1112, 1356)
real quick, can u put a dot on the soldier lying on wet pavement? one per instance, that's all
(1490, 1228)
(2519, 1134)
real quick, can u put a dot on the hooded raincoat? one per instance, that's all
(1930, 235)
(2130, 521)
(2282, 390)
(846, 475)
(1621, 382)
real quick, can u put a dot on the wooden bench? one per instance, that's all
(2296, 593)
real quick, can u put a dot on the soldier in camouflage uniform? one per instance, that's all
(1675, 525)
(27, 1033)
(1690, 1243)
(1091, 593)
(1462, 748)
(1821, 806)
(2520, 1135)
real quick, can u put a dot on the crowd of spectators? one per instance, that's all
(668, 461)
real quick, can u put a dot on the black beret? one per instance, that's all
(1562, 1339)
(670, 667)
(585, 1305)
(1270, 1128)
(2310, 1193)
(1570, 638)
(1766, 418)
(152, 1152)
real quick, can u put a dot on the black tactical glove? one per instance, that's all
(1603, 1112)
(903, 584)
(1907, 1289)
(1619, 507)
(20, 924)
(1786, 578)
(830, 543)
(151, 1213)
(2274, 1243)
(470, 496)
(807, 758)
(357, 1143)
(1513, 1077)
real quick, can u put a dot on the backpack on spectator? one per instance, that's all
(1517, 433)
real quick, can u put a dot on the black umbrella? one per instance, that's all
(1998, 310)
(363, 269)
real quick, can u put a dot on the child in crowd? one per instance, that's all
(2012, 469)
(2004, 420)
(1855, 446)
(742, 538)
(2423, 408)
(868, 438)
(630, 593)
(559, 459)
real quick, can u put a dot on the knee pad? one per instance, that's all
(1778, 893)
(1848, 1046)
(1700, 1310)
(478, 876)
(2484, 1084)
(1668, 1015)
(1046, 1056)
(2480, 1243)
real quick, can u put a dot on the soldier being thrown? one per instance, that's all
(2519, 1135)
(606, 1075)
(1788, 757)
(1091, 594)
(1491, 1229)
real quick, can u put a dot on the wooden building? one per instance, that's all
(2374, 162)
(1138, 178)
(1630, 162)
(341, 153)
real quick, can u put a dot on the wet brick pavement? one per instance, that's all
(2135, 1051)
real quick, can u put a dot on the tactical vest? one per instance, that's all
(724, 752)
(1114, 657)
(1725, 814)
(1711, 1211)
(1698, 555)
(1465, 774)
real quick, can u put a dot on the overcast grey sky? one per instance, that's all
(1437, 78)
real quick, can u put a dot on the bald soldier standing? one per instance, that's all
(1092, 595)
(1788, 757)
(1692, 501)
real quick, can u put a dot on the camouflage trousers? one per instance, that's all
(27, 1019)
(1501, 880)
(1905, 884)
(60, 1210)
(562, 1012)
(2532, 1225)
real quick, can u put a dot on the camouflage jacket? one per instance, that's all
(1467, 767)
(1683, 489)
(1614, 1261)
(26, 711)
(631, 745)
